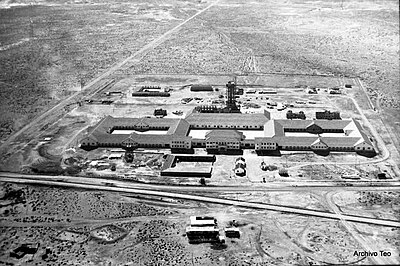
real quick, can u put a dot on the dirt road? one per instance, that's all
(306, 185)
(53, 115)
(243, 204)
(364, 242)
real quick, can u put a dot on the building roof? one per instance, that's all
(139, 138)
(224, 135)
(295, 141)
(226, 119)
(194, 221)
(362, 132)
(324, 124)
(273, 128)
(340, 141)
(201, 86)
(176, 127)
(180, 128)
(109, 122)
(319, 141)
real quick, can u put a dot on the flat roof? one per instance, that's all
(202, 229)
(129, 131)
(306, 134)
(227, 119)
(201, 133)
(202, 220)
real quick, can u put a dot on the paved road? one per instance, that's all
(261, 187)
(243, 204)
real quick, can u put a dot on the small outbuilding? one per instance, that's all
(199, 87)
(328, 115)
(160, 112)
(232, 232)
(24, 249)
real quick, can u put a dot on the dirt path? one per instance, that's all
(365, 243)
(215, 200)
(305, 185)
(10, 221)
(48, 116)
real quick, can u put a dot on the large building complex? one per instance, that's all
(229, 132)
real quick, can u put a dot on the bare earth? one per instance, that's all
(56, 54)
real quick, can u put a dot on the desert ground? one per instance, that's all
(60, 58)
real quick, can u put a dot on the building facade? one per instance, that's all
(327, 115)
(229, 132)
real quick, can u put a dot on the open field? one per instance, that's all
(51, 61)
(95, 227)
(50, 49)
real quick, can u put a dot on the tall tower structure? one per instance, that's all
(231, 106)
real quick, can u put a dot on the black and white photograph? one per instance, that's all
(199, 132)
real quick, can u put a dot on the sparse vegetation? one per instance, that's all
(49, 50)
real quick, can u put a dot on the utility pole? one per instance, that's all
(31, 33)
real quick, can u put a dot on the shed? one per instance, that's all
(200, 87)
(232, 232)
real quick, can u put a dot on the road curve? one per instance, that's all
(380, 142)
(363, 241)
(237, 203)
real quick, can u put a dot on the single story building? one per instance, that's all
(199, 87)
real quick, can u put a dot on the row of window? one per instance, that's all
(230, 126)
(297, 147)
(319, 147)
(231, 144)
(89, 143)
(341, 148)
(198, 144)
(363, 148)
(114, 144)
(266, 148)
(222, 143)
(179, 146)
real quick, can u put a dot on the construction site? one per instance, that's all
(225, 155)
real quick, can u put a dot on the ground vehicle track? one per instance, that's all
(215, 200)
(133, 58)
(365, 243)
